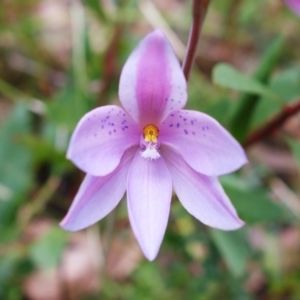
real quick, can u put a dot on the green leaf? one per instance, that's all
(46, 253)
(252, 203)
(15, 161)
(8, 270)
(243, 111)
(234, 249)
(227, 76)
(287, 86)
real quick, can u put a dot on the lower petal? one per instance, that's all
(202, 196)
(149, 192)
(97, 196)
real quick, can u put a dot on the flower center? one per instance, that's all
(149, 142)
(150, 133)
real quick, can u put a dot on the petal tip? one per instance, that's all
(67, 227)
(159, 33)
(65, 224)
(150, 254)
(238, 224)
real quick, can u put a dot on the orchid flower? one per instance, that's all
(294, 5)
(149, 146)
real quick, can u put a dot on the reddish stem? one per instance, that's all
(199, 12)
(275, 123)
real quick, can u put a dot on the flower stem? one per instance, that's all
(275, 123)
(199, 12)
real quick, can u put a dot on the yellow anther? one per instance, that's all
(150, 133)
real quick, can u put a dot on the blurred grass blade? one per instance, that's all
(234, 248)
(9, 91)
(96, 6)
(242, 114)
(78, 46)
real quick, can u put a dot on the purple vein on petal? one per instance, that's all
(152, 83)
(153, 79)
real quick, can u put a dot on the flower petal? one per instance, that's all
(100, 139)
(204, 144)
(149, 192)
(152, 83)
(294, 5)
(98, 196)
(202, 196)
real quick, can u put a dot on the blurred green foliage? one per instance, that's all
(58, 60)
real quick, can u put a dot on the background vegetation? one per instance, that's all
(58, 60)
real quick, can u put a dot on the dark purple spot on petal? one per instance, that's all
(193, 133)
(185, 131)
(178, 124)
(171, 125)
(192, 122)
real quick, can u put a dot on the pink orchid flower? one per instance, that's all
(149, 147)
(294, 5)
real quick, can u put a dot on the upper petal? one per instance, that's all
(204, 144)
(202, 196)
(152, 83)
(100, 139)
(149, 192)
(98, 196)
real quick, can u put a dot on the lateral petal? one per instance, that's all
(152, 83)
(98, 196)
(149, 192)
(202, 196)
(101, 138)
(203, 143)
